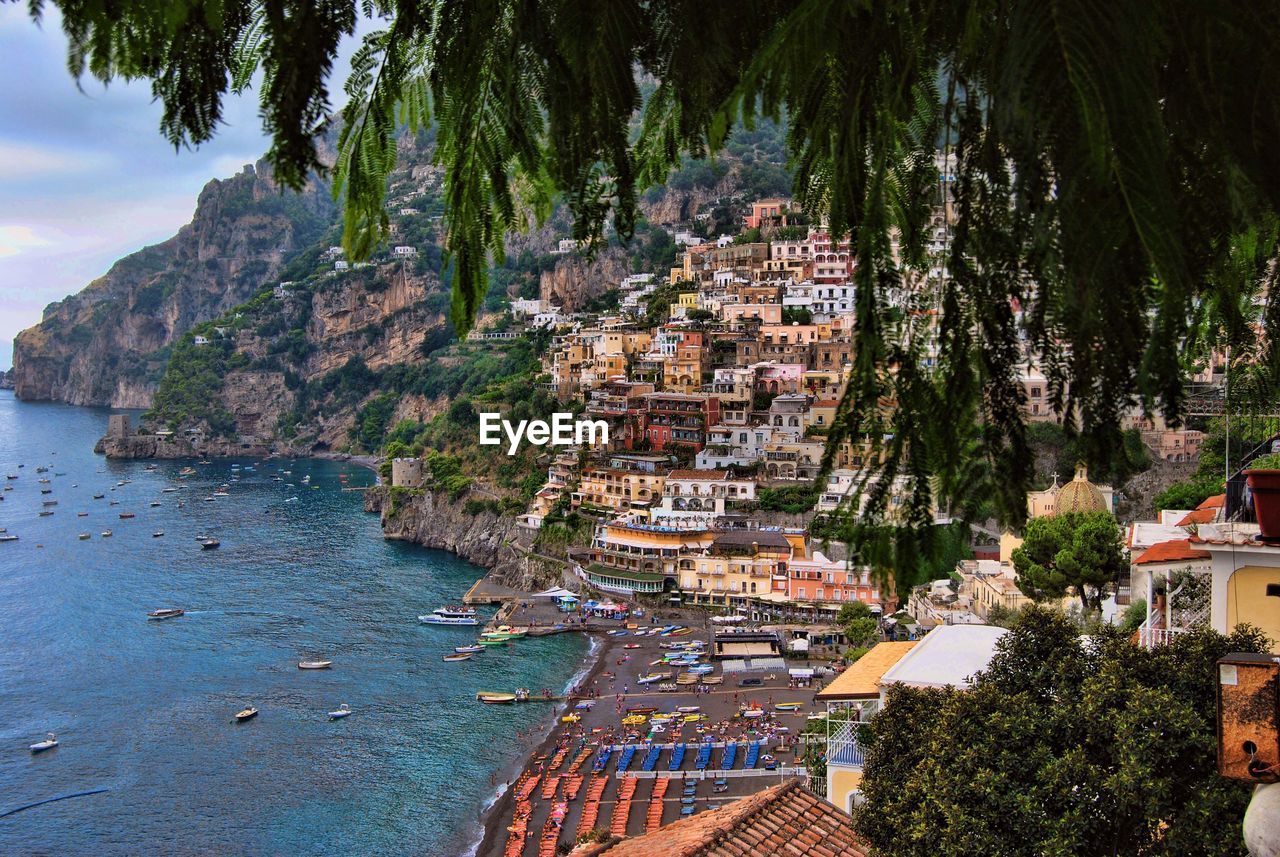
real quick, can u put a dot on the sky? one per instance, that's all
(85, 176)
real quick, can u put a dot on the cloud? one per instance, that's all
(15, 239)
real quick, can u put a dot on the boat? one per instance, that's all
(457, 656)
(82, 514)
(651, 678)
(489, 697)
(155, 503)
(342, 711)
(631, 646)
(450, 616)
(98, 496)
(46, 513)
(571, 718)
(126, 515)
(11, 476)
(8, 537)
(157, 534)
(246, 714)
(492, 641)
(788, 706)
(169, 490)
(314, 665)
(50, 741)
(752, 712)
(686, 679)
(633, 720)
(84, 537)
(50, 502)
(187, 471)
(166, 613)
(209, 544)
(106, 534)
(689, 709)
(713, 679)
(468, 650)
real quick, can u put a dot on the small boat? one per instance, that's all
(468, 650)
(157, 534)
(169, 490)
(187, 471)
(46, 513)
(246, 714)
(713, 679)
(314, 665)
(82, 514)
(84, 537)
(50, 502)
(209, 544)
(450, 616)
(633, 720)
(651, 678)
(689, 709)
(457, 656)
(571, 718)
(342, 711)
(155, 503)
(126, 515)
(752, 712)
(8, 537)
(492, 641)
(490, 698)
(98, 496)
(50, 741)
(11, 476)
(631, 646)
(106, 534)
(166, 613)
(788, 706)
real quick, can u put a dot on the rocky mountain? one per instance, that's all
(108, 344)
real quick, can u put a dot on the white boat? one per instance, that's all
(8, 537)
(342, 711)
(166, 613)
(106, 534)
(314, 665)
(450, 616)
(50, 741)
(468, 650)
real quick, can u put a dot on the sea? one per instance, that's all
(149, 759)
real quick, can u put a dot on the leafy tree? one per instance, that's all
(1189, 493)
(1113, 168)
(1070, 554)
(852, 610)
(1064, 745)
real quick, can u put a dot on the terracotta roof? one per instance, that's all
(1178, 550)
(698, 474)
(1217, 501)
(1199, 515)
(784, 819)
(862, 678)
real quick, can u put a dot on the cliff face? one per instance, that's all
(105, 345)
(575, 280)
(486, 539)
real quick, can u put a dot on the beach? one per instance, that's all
(563, 758)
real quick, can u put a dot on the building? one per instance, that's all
(987, 584)
(1078, 495)
(118, 425)
(852, 698)
(616, 490)
(948, 656)
(701, 495)
(677, 420)
(407, 473)
(738, 568)
(764, 212)
(403, 251)
(630, 555)
(828, 583)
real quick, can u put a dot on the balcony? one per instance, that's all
(843, 745)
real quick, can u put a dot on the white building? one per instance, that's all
(404, 251)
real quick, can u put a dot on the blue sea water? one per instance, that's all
(143, 708)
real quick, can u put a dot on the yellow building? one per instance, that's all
(852, 698)
(629, 545)
(737, 567)
(616, 490)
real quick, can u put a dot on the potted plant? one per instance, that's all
(1263, 478)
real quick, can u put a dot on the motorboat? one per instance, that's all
(246, 714)
(493, 641)
(652, 678)
(492, 698)
(50, 741)
(49, 503)
(168, 490)
(84, 537)
(166, 613)
(631, 646)
(468, 650)
(342, 711)
(155, 503)
(157, 534)
(124, 516)
(8, 537)
(106, 534)
(689, 709)
(98, 496)
(187, 471)
(450, 616)
(458, 656)
(44, 513)
(209, 544)
(314, 665)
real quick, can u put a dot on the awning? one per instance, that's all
(800, 672)
(746, 650)
(554, 592)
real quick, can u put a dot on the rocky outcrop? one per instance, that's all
(105, 345)
(487, 539)
(153, 446)
(575, 280)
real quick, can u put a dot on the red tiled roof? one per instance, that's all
(1200, 515)
(1178, 550)
(785, 819)
(1217, 501)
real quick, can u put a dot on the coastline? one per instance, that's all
(499, 809)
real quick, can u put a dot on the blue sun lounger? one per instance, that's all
(677, 758)
(651, 759)
(730, 754)
(753, 755)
